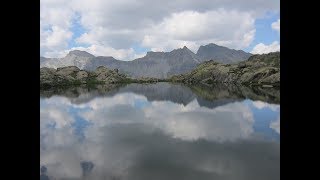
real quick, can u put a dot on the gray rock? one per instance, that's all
(81, 75)
(221, 54)
(154, 64)
(260, 70)
(72, 75)
(67, 70)
(267, 86)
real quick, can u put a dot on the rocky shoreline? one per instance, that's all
(258, 70)
(73, 76)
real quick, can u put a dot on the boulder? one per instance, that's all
(81, 75)
(69, 72)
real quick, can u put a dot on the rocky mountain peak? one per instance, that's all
(183, 50)
(221, 54)
(152, 53)
(80, 54)
(210, 46)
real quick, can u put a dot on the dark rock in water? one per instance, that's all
(86, 167)
(44, 177)
(43, 170)
(43, 173)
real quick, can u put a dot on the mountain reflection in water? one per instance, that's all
(160, 131)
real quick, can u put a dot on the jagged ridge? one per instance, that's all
(154, 64)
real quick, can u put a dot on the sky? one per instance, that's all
(127, 29)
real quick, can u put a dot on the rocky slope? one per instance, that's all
(257, 70)
(153, 64)
(73, 58)
(72, 75)
(221, 54)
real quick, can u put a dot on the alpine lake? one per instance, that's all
(160, 131)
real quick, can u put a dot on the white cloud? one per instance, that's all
(56, 13)
(54, 41)
(115, 26)
(55, 25)
(261, 105)
(56, 123)
(191, 122)
(192, 29)
(56, 117)
(122, 54)
(226, 123)
(263, 49)
(276, 25)
(61, 163)
(56, 53)
(97, 50)
(276, 125)
(55, 38)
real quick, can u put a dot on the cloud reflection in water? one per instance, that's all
(130, 137)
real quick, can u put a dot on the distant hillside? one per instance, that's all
(221, 54)
(153, 64)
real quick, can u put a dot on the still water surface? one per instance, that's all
(160, 132)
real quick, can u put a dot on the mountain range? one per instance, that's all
(153, 64)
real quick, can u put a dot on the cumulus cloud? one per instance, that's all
(62, 151)
(61, 163)
(229, 123)
(191, 122)
(56, 117)
(123, 54)
(261, 105)
(115, 26)
(192, 29)
(97, 50)
(263, 49)
(55, 25)
(56, 123)
(276, 25)
(276, 125)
